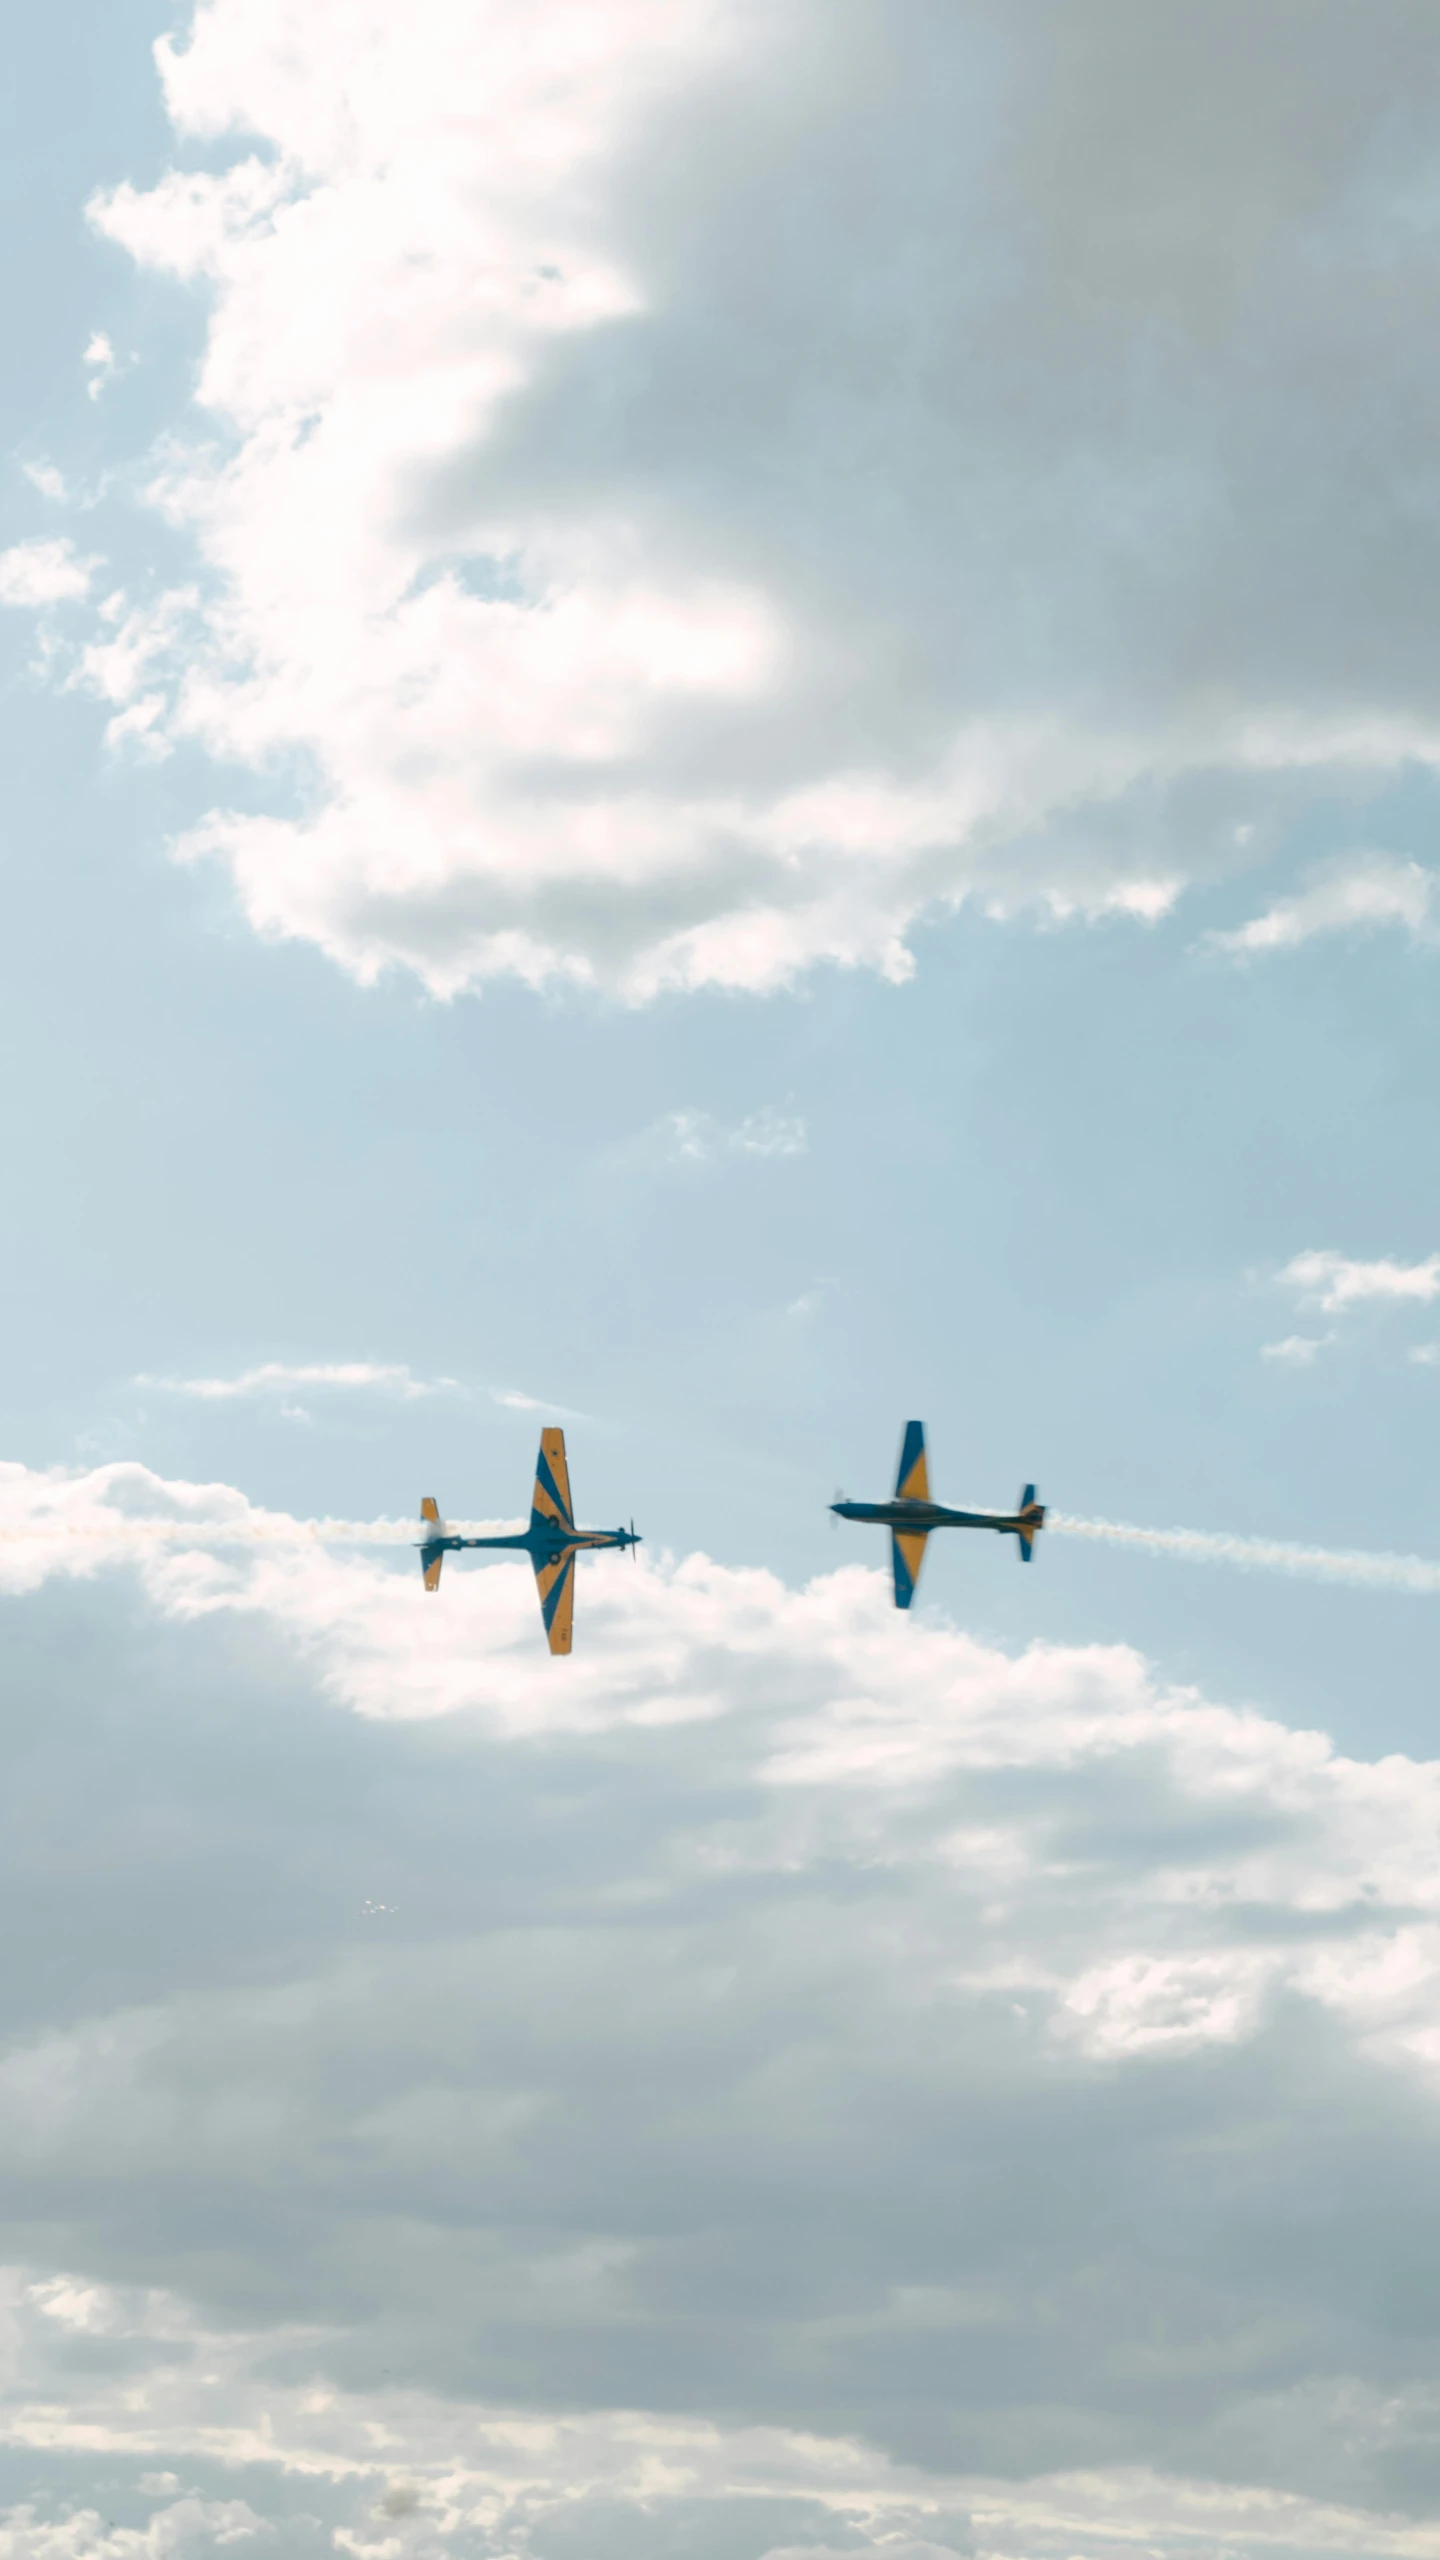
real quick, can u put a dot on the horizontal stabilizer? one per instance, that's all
(907, 1548)
(1032, 1519)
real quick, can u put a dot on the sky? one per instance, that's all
(721, 725)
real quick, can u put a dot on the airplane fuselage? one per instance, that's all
(915, 1517)
(545, 1540)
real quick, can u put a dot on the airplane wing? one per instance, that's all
(907, 1548)
(912, 1484)
(552, 1480)
(556, 1586)
(430, 1513)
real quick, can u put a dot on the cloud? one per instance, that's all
(279, 1377)
(189, 2526)
(817, 2080)
(1377, 892)
(353, 2464)
(669, 559)
(101, 364)
(515, 1402)
(811, 1300)
(697, 1137)
(1297, 1351)
(767, 1133)
(1337, 1283)
(44, 573)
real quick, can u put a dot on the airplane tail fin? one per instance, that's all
(912, 1484)
(431, 1557)
(1032, 1520)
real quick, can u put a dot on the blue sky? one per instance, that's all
(722, 729)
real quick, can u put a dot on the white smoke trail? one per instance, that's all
(126, 1536)
(138, 1534)
(1375, 1572)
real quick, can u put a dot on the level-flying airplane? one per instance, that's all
(912, 1515)
(552, 1541)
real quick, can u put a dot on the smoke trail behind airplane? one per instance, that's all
(1361, 1569)
(127, 1536)
(1355, 1566)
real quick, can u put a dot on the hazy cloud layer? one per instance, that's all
(984, 2101)
(282, 1377)
(693, 1138)
(1352, 897)
(680, 489)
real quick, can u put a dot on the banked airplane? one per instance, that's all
(912, 1515)
(552, 1541)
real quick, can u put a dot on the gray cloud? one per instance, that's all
(976, 453)
(997, 2076)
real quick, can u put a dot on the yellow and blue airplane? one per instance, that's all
(912, 1515)
(552, 1541)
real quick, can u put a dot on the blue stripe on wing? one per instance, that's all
(545, 1484)
(912, 1480)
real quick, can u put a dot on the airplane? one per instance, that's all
(912, 1515)
(552, 1541)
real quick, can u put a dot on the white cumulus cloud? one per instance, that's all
(822, 2081)
(1337, 1283)
(43, 573)
(694, 487)
(1296, 1351)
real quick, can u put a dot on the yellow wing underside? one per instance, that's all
(559, 1624)
(915, 1487)
(430, 1512)
(552, 1461)
(912, 1547)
